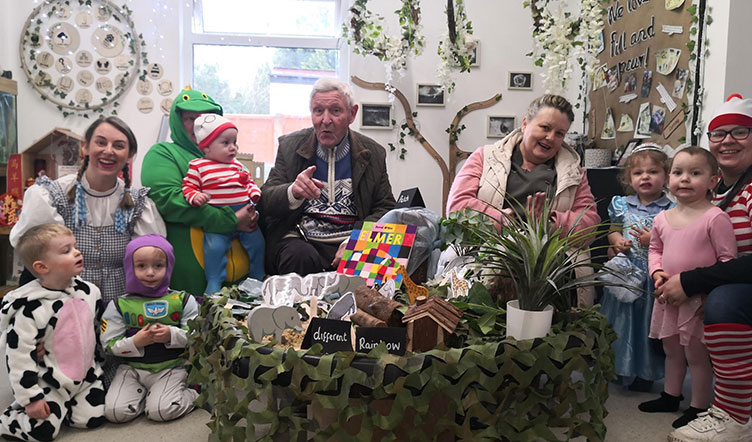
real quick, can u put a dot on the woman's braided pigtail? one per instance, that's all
(81, 170)
(127, 201)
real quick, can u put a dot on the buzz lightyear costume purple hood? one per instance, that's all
(132, 284)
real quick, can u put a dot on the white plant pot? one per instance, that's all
(524, 324)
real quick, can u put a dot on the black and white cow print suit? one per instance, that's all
(68, 377)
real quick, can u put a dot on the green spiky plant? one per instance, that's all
(538, 260)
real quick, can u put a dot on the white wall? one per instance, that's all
(715, 65)
(37, 117)
(738, 60)
(503, 48)
(5, 41)
(503, 27)
(729, 65)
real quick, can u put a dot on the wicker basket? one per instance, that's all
(597, 157)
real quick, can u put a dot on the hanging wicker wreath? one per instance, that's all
(457, 47)
(365, 33)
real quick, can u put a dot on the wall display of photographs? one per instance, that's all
(643, 75)
(375, 116)
(666, 60)
(599, 79)
(642, 130)
(499, 126)
(600, 45)
(609, 131)
(630, 83)
(680, 83)
(647, 80)
(613, 78)
(521, 80)
(673, 4)
(625, 123)
(430, 95)
(657, 119)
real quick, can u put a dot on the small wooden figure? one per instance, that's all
(429, 322)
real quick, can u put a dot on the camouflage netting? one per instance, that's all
(544, 389)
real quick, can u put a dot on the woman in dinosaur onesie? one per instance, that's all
(163, 170)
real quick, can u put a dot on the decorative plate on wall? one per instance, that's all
(91, 41)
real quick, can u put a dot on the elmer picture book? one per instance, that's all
(375, 250)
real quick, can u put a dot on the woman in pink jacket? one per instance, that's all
(530, 165)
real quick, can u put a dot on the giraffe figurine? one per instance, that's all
(413, 290)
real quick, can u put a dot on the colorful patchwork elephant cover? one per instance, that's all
(375, 251)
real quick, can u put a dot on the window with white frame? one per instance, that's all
(259, 59)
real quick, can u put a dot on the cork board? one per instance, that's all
(644, 49)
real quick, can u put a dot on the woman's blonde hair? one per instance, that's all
(549, 100)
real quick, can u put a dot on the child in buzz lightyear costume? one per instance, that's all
(147, 327)
(163, 170)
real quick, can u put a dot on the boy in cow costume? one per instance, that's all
(61, 383)
(147, 327)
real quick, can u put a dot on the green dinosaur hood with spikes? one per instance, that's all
(189, 100)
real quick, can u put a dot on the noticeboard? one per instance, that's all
(644, 83)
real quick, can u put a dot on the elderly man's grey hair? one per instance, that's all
(327, 84)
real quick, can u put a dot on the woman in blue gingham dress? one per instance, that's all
(102, 210)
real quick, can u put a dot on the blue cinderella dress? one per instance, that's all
(631, 320)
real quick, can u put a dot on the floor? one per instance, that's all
(624, 422)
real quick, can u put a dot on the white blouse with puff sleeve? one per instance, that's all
(100, 209)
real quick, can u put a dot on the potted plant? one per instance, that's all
(529, 257)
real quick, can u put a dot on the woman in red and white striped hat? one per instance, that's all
(728, 311)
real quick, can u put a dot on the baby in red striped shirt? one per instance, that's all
(221, 180)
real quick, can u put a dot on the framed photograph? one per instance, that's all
(375, 116)
(475, 58)
(521, 80)
(499, 126)
(627, 151)
(430, 95)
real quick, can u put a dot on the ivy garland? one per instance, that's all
(486, 390)
(366, 35)
(456, 48)
(697, 69)
(405, 130)
(136, 48)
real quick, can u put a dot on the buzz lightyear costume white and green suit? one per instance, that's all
(152, 379)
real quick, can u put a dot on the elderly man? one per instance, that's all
(324, 180)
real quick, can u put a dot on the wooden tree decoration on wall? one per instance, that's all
(456, 154)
